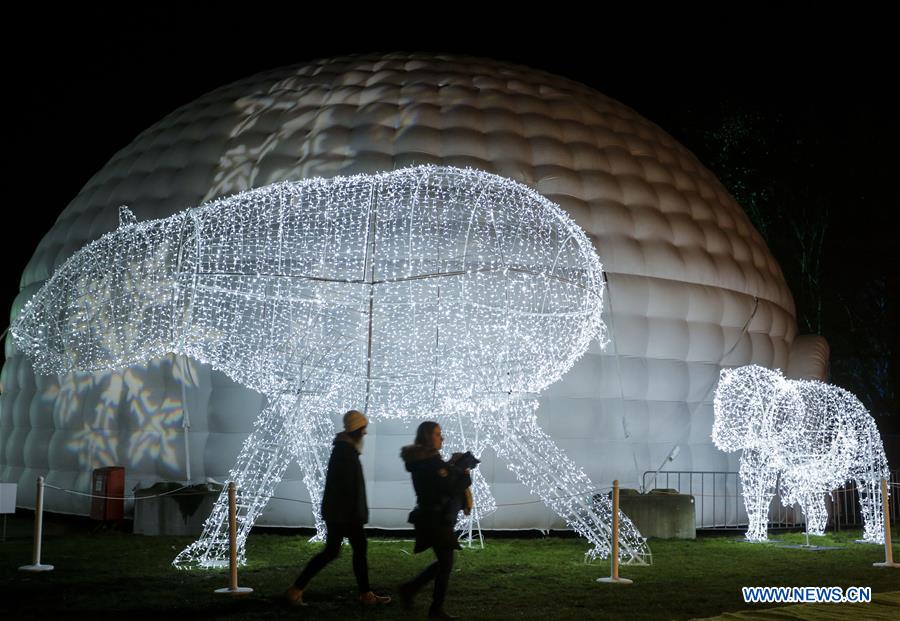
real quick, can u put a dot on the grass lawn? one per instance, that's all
(113, 574)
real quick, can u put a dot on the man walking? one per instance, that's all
(345, 511)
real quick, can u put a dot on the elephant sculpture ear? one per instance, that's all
(726, 374)
(126, 216)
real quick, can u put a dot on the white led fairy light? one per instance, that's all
(814, 435)
(420, 293)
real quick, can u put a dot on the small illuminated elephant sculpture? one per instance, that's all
(409, 293)
(813, 435)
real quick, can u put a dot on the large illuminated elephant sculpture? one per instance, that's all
(813, 435)
(421, 293)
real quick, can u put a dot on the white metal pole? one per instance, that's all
(615, 531)
(233, 588)
(888, 550)
(38, 531)
(614, 560)
(477, 522)
(185, 419)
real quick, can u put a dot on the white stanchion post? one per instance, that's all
(36, 564)
(614, 560)
(888, 550)
(233, 588)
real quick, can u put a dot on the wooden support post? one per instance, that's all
(614, 560)
(38, 531)
(888, 550)
(233, 588)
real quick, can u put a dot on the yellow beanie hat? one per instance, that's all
(353, 420)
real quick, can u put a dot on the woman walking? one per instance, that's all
(441, 492)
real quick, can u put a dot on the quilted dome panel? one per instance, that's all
(692, 286)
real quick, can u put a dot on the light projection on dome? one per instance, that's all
(427, 292)
(813, 435)
(134, 419)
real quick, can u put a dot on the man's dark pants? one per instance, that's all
(336, 533)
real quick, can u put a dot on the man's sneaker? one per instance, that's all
(370, 599)
(294, 597)
(440, 613)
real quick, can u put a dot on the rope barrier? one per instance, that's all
(308, 502)
(132, 497)
(305, 502)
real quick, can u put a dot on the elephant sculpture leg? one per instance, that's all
(870, 503)
(546, 470)
(758, 483)
(871, 467)
(259, 468)
(314, 435)
(813, 504)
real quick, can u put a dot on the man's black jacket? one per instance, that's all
(345, 489)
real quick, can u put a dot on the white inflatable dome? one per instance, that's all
(692, 287)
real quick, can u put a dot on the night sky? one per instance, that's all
(796, 115)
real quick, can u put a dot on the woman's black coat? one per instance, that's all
(440, 495)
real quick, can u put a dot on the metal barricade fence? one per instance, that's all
(719, 502)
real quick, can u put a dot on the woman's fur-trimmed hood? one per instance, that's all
(416, 452)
